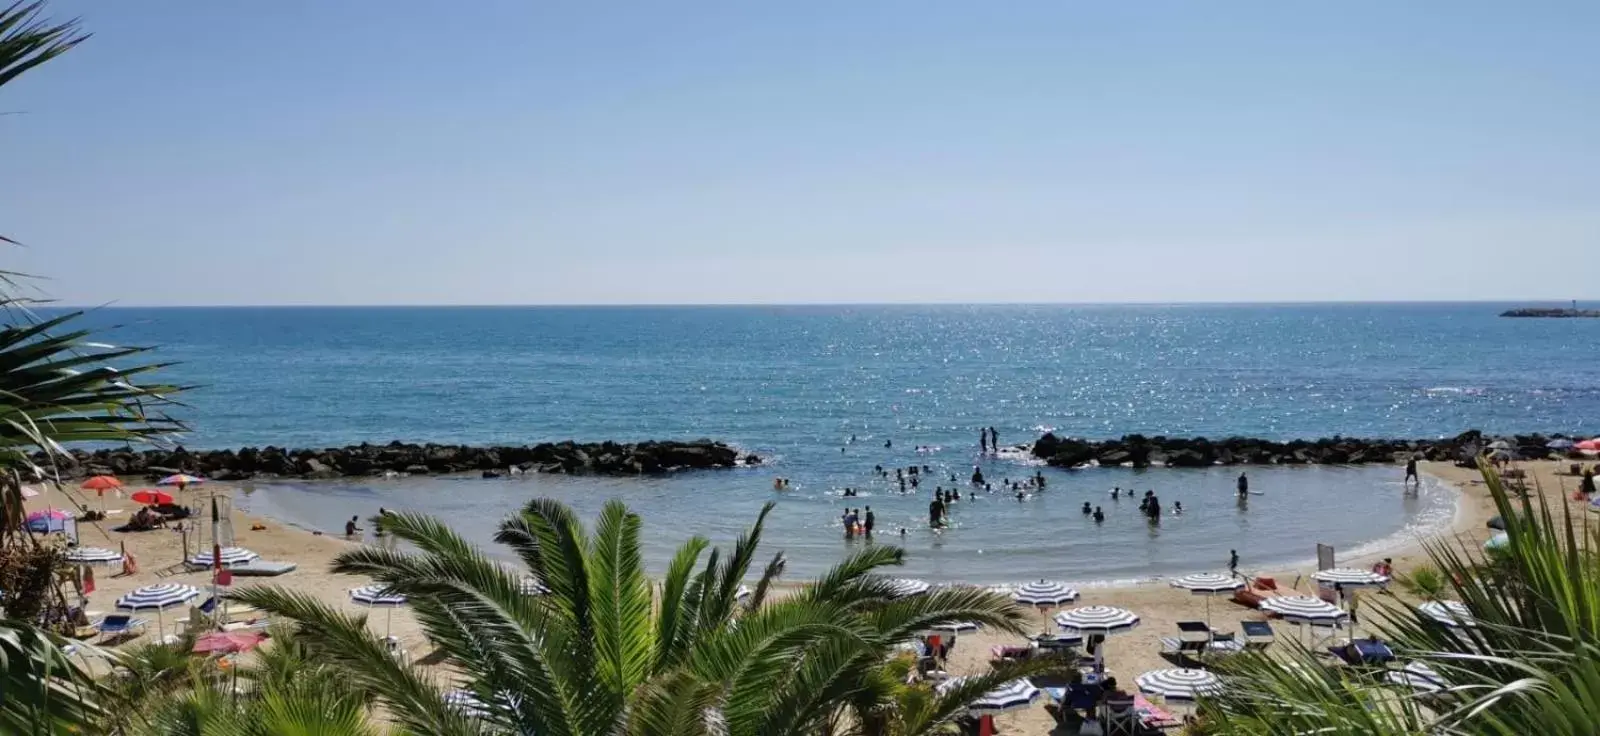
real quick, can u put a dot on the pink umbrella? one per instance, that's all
(1591, 445)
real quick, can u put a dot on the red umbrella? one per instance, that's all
(1591, 445)
(101, 483)
(228, 642)
(151, 497)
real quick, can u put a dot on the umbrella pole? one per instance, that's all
(388, 621)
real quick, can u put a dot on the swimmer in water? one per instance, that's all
(1116, 492)
(1099, 515)
(1086, 509)
(1177, 507)
(1021, 495)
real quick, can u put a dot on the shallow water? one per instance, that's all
(994, 539)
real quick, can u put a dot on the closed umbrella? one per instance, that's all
(1350, 577)
(1044, 594)
(158, 598)
(378, 596)
(1179, 683)
(1209, 584)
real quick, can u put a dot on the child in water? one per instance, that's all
(1177, 507)
(1099, 515)
(1086, 509)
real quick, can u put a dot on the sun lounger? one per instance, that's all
(1197, 649)
(1364, 652)
(1004, 653)
(263, 569)
(1194, 631)
(117, 626)
(1257, 634)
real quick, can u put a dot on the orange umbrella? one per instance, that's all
(101, 483)
(151, 497)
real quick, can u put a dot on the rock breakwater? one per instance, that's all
(573, 458)
(1139, 451)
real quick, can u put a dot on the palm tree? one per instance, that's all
(602, 651)
(55, 389)
(1529, 665)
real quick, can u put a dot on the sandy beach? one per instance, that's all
(159, 554)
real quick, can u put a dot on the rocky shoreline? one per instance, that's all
(1139, 451)
(365, 460)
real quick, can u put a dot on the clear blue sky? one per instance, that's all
(516, 151)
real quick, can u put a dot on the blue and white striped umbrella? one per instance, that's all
(1500, 539)
(376, 596)
(1450, 613)
(230, 556)
(1089, 620)
(1179, 684)
(1350, 577)
(1208, 583)
(1303, 609)
(956, 627)
(742, 593)
(158, 597)
(93, 556)
(1013, 695)
(1044, 594)
(533, 587)
(907, 587)
(1417, 676)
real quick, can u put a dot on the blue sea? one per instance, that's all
(795, 384)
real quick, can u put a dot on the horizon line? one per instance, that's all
(712, 305)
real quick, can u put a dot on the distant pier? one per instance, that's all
(1555, 312)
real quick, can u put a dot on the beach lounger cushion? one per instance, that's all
(263, 568)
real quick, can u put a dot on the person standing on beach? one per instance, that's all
(1233, 563)
(870, 521)
(1244, 486)
(1411, 471)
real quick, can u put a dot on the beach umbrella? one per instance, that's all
(530, 586)
(180, 480)
(1102, 620)
(1590, 445)
(228, 642)
(955, 628)
(158, 598)
(1499, 445)
(1497, 541)
(1305, 610)
(1417, 676)
(743, 593)
(93, 556)
(101, 483)
(1560, 443)
(1497, 522)
(151, 497)
(1044, 594)
(378, 596)
(907, 587)
(1208, 584)
(1179, 683)
(1350, 577)
(1014, 695)
(223, 556)
(1450, 613)
(47, 521)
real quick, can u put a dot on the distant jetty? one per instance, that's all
(1551, 312)
(400, 458)
(1139, 451)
